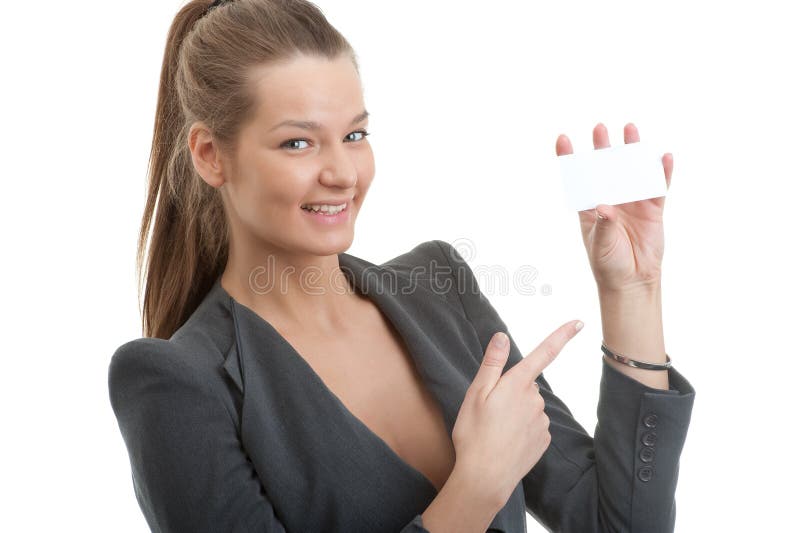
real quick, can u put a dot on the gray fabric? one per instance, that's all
(229, 429)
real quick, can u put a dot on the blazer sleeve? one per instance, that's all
(623, 479)
(190, 473)
(189, 470)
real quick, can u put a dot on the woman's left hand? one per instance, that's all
(626, 247)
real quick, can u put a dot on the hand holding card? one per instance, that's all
(620, 198)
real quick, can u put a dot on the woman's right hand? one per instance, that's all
(501, 430)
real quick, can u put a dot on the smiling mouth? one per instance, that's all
(325, 209)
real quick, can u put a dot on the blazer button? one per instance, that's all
(647, 455)
(645, 473)
(650, 420)
(649, 439)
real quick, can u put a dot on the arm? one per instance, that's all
(613, 482)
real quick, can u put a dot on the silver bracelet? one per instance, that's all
(625, 360)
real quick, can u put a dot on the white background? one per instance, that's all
(466, 102)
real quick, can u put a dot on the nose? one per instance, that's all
(340, 169)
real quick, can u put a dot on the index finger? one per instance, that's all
(529, 368)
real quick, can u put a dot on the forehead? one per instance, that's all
(307, 88)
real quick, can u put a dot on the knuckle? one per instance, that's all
(493, 358)
(475, 391)
(536, 396)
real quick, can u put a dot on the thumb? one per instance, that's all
(494, 360)
(604, 231)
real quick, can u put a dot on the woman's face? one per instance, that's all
(281, 164)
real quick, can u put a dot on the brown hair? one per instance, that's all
(203, 78)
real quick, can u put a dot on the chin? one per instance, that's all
(333, 245)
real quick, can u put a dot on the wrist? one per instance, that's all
(632, 326)
(649, 286)
(465, 503)
(632, 323)
(642, 291)
(476, 486)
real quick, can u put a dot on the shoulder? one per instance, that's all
(449, 269)
(438, 267)
(195, 350)
(144, 351)
(436, 256)
(146, 365)
(144, 356)
(163, 354)
(440, 262)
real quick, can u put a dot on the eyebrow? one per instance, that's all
(311, 125)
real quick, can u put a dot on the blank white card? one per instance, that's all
(615, 175)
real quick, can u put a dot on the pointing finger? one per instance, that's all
(537, 360)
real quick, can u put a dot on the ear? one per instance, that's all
(206, 155)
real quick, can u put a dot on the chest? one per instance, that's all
(375, 378)
(346, 431)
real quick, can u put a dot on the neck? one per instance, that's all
(292, 290)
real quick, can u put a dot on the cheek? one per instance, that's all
(275, 178)
(266, 191)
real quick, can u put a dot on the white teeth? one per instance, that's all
(325, 208)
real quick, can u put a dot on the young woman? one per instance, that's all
(285, 385)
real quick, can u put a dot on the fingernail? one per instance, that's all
(500, 339)
(578, 325)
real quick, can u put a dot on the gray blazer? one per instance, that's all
(228, 428)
